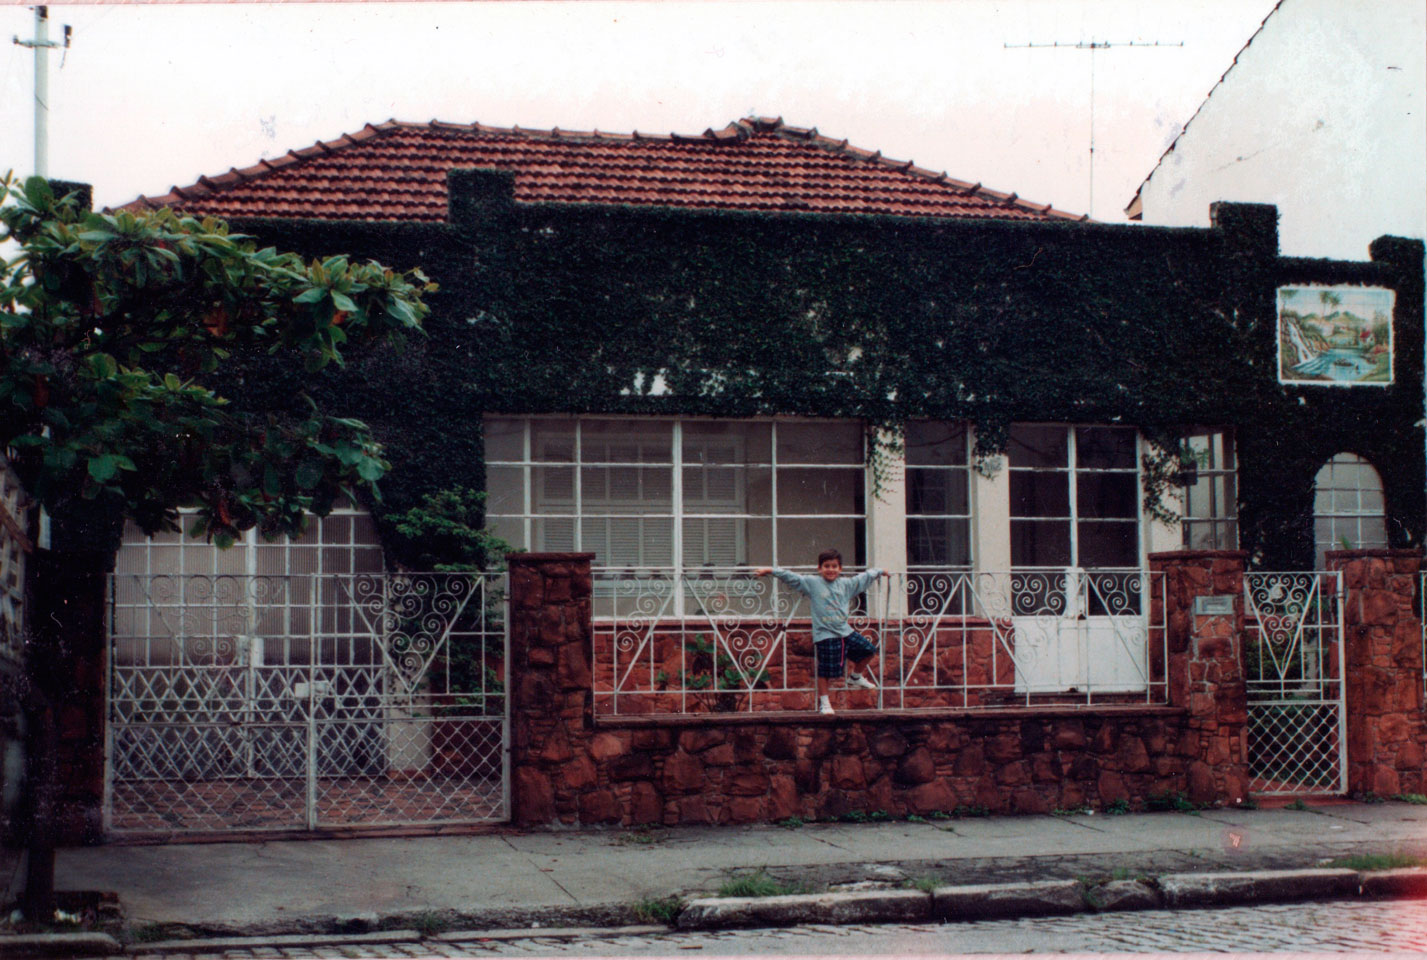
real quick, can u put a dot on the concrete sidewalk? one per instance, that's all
(594, 877)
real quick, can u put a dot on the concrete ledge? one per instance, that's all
(59, 945)
(1404, 882)
(871, 906)
(528, 933)
(1255, 886)
(1008, 900)
(1123, 895)
(217, 944)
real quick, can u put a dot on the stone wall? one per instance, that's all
(568, 767)
(1206, 669)
(1386, 728)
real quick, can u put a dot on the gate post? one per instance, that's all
(551, 693)
(1386, 732)
(1205, 669)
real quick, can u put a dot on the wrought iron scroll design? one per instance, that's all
(947, 637)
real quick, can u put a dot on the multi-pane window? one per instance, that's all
(1074, 496)
(343, 542)
(256, 602)
(653, 493)
(1210, 491)
(1348, 509)
(938, 466)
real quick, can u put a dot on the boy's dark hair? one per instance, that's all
(827, 555)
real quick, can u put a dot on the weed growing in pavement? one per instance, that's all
(853, 816)
(1070, 812)
(926, 882)
(639, 835)
(1247, 803)
(1378, 861)
(1297, 804)
(1370, 797)
(939, 815)
(1416, 798)
(915, 818)
(659, 909)
(971, 810)
(1117, 807)
(147, 933)
(428, 924)
(1171, 801)
(791, 823)
(759, 884)
(879, 816)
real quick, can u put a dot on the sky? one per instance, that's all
(154, 95)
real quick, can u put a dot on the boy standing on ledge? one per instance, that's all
(829, 595)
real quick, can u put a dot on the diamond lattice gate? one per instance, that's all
(243, 703)
(1293, 670)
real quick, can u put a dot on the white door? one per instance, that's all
(1077, 584)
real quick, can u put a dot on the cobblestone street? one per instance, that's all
(1338, 927)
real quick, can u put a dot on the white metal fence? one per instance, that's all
(298, 702)
(724, 640)
(1293, 672)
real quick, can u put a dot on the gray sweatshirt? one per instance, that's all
(829, 601)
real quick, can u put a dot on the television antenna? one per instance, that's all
(1092, 46)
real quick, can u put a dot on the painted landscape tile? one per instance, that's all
(1335, 336)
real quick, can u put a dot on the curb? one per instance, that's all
(1045, 898)
(948, 903)
(871, 906)
(59, 945)
(1258, 886)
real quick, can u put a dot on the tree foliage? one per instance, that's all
(116, 331)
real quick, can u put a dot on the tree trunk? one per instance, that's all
(37, 821)
(65, 656)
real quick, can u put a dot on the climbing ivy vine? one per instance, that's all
(578, 310)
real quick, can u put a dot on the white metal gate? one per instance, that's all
(304, 702)
(1294, 670)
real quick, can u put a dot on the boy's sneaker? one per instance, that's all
(861, 681)
(824, 705)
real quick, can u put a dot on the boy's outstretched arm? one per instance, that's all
(794, 580)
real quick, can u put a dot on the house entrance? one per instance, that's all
(246, 702)
(1082, 632)
(1293, 670)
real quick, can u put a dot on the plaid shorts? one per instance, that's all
(831, 653)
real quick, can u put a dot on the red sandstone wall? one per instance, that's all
(1206, 670)
(1387, 731)
(568, 767)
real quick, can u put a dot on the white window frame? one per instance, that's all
(1345, 521)
(969, 516)
(675, 462)
(1222, 516)
(1073, 468)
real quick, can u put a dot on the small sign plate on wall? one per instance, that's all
(1218, 605)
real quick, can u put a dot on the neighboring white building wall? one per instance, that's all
(1322, 114)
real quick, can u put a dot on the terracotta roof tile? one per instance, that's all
(397, 171)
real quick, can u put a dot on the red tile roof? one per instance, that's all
(397, 171)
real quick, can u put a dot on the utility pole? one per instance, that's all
(42, 44)
(1092, 46)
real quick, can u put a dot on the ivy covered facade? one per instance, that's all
(670, 387)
